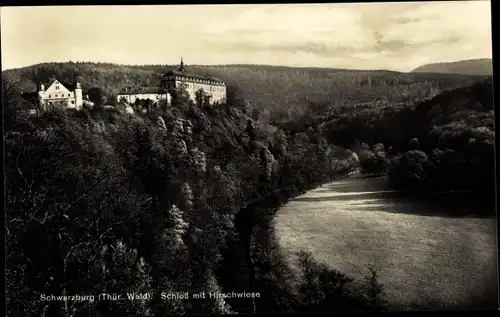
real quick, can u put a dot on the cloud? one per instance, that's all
(439, 20)
(439, 29)
(312, 28)
(287, 18)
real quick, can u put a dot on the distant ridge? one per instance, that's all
(482, 66)
(201, 66)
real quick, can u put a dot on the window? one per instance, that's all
(50, 96)
(57, 95)
(68, 95)
(72, 102)
(57, 87)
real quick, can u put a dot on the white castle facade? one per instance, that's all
(214, 89)
(131, 95)
(59, 93)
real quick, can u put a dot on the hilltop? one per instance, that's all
(282, 93)
(481, 66)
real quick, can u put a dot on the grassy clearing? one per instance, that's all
(422, 260)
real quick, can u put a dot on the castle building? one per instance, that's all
(60, 93)
(214, 89)
(155, 94)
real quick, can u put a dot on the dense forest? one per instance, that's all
(281, 93)
(176, 200)
(443, 144)
(181, 199)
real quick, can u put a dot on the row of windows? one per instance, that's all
(197, 86)
(57, 96)
(172, 85)
(203, 81)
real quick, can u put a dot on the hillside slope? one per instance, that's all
(396, 126)
(483, 66)
(150, 203)
(444, 143)
(285, 92)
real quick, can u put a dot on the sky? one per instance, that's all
(397, 36)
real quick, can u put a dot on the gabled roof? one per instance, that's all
(68, 86)
(143, 90)
(191, 75)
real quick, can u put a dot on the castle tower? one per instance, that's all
(40, 89)
(78, 96)
(181, 69)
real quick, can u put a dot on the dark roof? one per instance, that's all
(143, 90)
(68, 86)
(191, 75)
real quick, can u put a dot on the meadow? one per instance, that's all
(424, 259)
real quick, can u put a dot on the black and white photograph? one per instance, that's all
(249, 158)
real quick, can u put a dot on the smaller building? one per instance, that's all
(60, 93)
(155, 94)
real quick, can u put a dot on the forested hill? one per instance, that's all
(483, 66)
(130, 203)
(444, 143)
(395, 126)
(284, 92)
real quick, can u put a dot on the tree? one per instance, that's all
(235, 96)
(414, 144)
(97, 96)
(200, 97)
(138, 104)
(111, 100)
(251, 130)
(368, 162)
(409, 171)
(379, 147)
(180, 98)
(121, 270)
(12, 103)
(374, 292)
(148, 103)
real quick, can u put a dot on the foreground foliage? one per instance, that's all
(179, 200)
